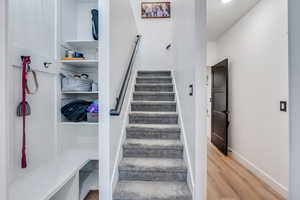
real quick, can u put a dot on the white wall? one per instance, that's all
(294, 73)
(41, 126)
(257, 48)
(211, 53)
(190, 68)
(157, 34)
(3, 124)
(123, 34)
(185, 67)
(211, 59)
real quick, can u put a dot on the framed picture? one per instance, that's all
(156, 10)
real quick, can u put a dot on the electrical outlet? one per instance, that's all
(283, 106)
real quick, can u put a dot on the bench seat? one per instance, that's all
(44, 182)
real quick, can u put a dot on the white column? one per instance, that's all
(105, 186)
(201, 103)
(294, 92)
(3, 124)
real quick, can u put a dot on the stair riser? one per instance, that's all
(133, 119)
(152, 153)
(154, 108)
(154, 73)
(154, 88)
(153, 80)
(132, 175)
(146, 190)
(152, 135)
(146, 198)
(153, 97)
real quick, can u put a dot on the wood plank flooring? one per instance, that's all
(228, 180)
(92, 195)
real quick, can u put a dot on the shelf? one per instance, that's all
(79, 123)
(80, 92)
(83, 44)
(80, 63)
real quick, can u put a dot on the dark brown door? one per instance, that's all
(219, 120)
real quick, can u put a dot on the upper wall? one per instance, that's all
(156, 35)
(257, 48)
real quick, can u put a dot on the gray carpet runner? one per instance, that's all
(152, 167)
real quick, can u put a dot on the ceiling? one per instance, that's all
(220, 17)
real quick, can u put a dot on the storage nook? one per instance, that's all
(62, 142)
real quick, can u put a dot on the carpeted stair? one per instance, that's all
(152, 167)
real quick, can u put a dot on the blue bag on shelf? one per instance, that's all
(76, 111)
(95, 16)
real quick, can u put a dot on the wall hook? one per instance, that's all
(47, 64)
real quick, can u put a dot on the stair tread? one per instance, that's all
(154, 84)
(154, 126)
(154, 77)
(147, 190)
(153, 102)
(153, 164)
(153, 143)
(153, 131)
(152, 92)
(147, 71)
(151, 113)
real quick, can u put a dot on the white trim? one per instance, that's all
(119, 156)
(265, 177)
(200, 94)
(294, 98)
(186, 155)
(104, 103)
(3, 100)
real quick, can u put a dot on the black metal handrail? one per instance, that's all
(120, 99)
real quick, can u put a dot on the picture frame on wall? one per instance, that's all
(155, 10)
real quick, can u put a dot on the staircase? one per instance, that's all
(152, 167)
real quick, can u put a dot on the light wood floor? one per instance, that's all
(92, 195)
(228, 180)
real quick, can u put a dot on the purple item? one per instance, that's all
(93, 108)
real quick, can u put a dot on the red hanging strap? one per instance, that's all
(25, 62)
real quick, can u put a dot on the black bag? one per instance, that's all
(76, 111)
(95, 23)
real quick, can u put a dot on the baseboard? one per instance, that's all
(186, 154)
(266, 178)
(119, 156)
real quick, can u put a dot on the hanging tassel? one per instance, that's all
(25, 62)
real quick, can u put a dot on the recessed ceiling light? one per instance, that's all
(226, 1)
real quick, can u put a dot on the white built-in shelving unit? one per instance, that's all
(80, 63)
(86, 44)
(75, 33)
